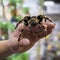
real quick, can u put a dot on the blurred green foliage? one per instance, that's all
(18, 18)
(7, 25)
(25, 9)
(14, 2)
(18, 56)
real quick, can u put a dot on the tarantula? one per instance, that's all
(33, 22)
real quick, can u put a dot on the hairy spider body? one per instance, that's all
(33, 25)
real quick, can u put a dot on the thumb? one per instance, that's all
(24, 42)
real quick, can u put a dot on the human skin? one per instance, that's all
(25, 43)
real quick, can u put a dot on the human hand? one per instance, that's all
(26, 35)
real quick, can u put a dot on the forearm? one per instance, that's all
(4, 49)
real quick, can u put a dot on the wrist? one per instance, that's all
(4, 49)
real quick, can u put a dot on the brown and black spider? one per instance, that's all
(41, 17)
(33, 22)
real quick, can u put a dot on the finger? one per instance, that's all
(24, 42)
(50, 25)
